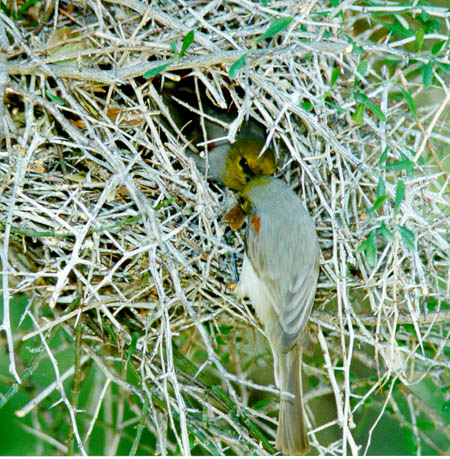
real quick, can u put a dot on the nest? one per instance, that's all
(117, 240)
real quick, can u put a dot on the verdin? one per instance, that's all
(279, 275)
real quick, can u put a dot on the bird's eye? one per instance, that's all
(243, 163)
(246, 169)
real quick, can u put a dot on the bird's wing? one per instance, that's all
(286, 258)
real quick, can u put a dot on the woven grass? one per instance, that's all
(117, 239)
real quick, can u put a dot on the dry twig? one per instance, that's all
(107, 223)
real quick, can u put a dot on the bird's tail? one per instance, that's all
(292, 435)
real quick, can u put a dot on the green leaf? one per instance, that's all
(383, 157)
(362, 68)
(432, 303)
(335, 73)
(164, 203)
(355, 48)
(306, 105)
(155, 70)
(399, 195)
(410, 101)
(396, 27)
(224, 397)
(236, 67)
(376, 111)
(431, 26)
(277, 26)
(437, 47)
(426, 425)
(391, 62)
(110, 332)
(362, 247)
(360, 97)
(262, 403)
(387, 235)
(379, 201)
(408, 237)
(174, 48)
(381, 187)
(410, 440)
(369, 249)
(132, 348)
(5, 9)
(358, 49)
(409, 169)
(225, 329)
(425, 15)
(444, 67)
(187, 40)
(256, 432)
(401, 28)
(404, 164)
(427, 74)
(358, 116)
(54, 98)
(446, 407)
(91, 109)
(23, 9)
(420, 38)
(336, 107)
(313, 381)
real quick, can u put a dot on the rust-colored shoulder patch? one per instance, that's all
(256, 222)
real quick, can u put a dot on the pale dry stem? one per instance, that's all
(107, 221)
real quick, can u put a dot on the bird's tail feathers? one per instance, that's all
(292, 437)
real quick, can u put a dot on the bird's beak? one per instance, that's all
(235, 217)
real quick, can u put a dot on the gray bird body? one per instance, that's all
(279, 275)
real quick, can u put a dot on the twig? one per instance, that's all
(103, 212)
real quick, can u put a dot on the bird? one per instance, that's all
(279, 275)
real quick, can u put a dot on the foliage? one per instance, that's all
(121, 334)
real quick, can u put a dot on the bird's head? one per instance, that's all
(244, 162)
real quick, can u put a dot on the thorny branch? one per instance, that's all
(105, 218)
